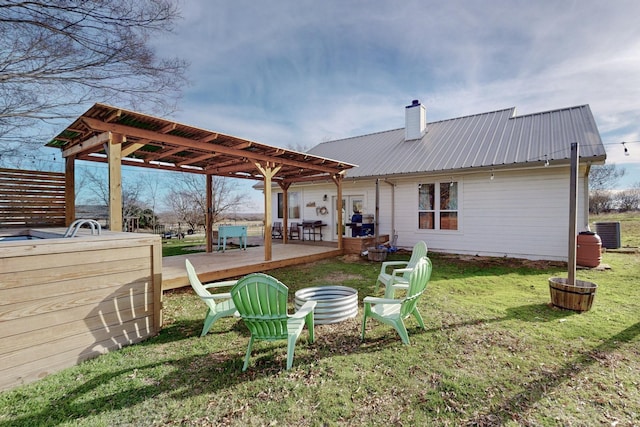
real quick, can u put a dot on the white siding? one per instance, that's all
(522, 213)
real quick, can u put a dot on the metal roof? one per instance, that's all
(158, 143)
(493, 139)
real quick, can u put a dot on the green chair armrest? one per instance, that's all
(220, 284)
(306, 308)
(401, 271)
(376, 300)
(387, 264)
(226, 295)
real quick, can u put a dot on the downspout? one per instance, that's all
(585, 199)
(393, 209)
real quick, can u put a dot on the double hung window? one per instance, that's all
(294, 205)
(438, 206)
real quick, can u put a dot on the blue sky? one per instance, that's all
(296, 73)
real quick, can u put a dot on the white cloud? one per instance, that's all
(296, 73)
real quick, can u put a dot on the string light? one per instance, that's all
(626, 150)
(546, 161)
(492, 175)
(451, 183)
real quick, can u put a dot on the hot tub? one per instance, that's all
(18, 238)
(64, 300)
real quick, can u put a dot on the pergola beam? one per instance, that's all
(87, 145)
(186, 142)
(110, 135)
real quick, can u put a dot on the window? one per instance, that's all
(426, 208)
(294, 205)
(440, 215)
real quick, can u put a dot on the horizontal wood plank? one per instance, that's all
(92, 298)
(28, 365)
(31, 197)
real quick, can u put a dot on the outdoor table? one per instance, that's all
(228, 231)
(312, 229)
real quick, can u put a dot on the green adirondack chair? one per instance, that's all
(393, 311)
(261, 301)
(219, 305)
(395, 274)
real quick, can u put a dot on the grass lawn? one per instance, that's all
(190, 244)
(494, 353)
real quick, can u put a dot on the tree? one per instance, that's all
(600, 201)
(602, 178)
(188, 200)
(153, 186)
(97, 184)
(56, 55)
(629, 200)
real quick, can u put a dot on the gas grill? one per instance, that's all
(360, 228)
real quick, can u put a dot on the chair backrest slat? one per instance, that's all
(419, 251)
(198, 287)
(261, 300)
(418, 281)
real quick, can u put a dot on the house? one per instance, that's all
(493, 183)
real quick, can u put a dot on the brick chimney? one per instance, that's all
(415, 121)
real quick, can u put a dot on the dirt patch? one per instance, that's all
(502, 262)
(352, 258)
(338, 277)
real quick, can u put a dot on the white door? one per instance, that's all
(350, 205)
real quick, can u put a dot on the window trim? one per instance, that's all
(292, 208)
(436, 209)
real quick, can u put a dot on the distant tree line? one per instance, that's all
(602, 195)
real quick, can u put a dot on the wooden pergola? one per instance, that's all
(121, 137)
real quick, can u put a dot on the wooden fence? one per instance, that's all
(31, 198)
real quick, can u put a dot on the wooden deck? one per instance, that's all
(216, 266)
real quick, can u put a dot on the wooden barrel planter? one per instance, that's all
(376, 254)
(578, 297)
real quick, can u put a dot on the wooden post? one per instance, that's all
(156, 262)
(377, 222)
(337, 179)
(69, 190)
(573, 213)
(285, 211)
(208, 226)
(268, 171)
(114, 154)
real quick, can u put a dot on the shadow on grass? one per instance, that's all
(179, 383)
(525, 313)
(511, 409)
(210, 372)
(182, 377)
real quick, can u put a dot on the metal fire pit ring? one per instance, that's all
(334, 303)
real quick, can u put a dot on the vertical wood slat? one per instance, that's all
(70, 190)
(114, 155)
(31, 198)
